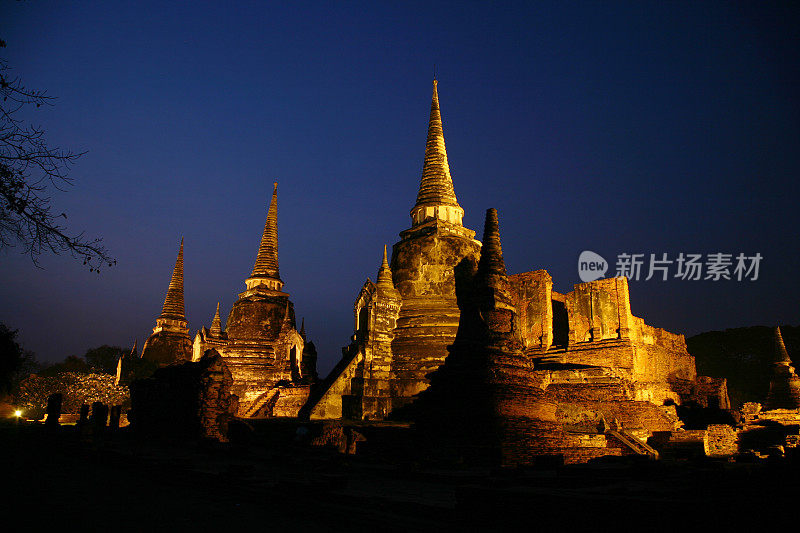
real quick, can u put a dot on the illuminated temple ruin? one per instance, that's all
(578, 360)
(272, 363)
(487, 365)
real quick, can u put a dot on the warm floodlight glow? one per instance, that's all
(18, 413)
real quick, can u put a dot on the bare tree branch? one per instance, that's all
(29, 169)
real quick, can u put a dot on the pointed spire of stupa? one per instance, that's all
(385, 273)
(173, 304)
(491, 262)
(288, 316)
(782, 356)
(436, 197)
(491, 275)
(216, 328)
(303, 328)
(784, 387)
(133, 350)
(265, 270)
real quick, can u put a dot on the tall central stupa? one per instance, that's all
(406, 321)
(422, 269)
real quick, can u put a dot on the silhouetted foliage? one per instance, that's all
(744, 356)
(15, 362)
(104, 358)
(137, 368)
(72, 363)
(29, 171)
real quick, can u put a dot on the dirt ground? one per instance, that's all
(118, 482)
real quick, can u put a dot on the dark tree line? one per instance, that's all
(101, 359)
(16, 363)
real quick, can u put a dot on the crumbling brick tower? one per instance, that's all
(482, 404)
(170, 342)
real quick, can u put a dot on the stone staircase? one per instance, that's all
(632, 443)
(555, 354)
(271, 396)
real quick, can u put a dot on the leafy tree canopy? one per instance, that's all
(15, 361)
(104, 358)
(72, 363)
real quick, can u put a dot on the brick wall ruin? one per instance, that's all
(191, 400)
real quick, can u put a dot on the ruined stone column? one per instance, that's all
(54, 402)
(482, 405)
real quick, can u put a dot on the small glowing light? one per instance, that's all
(18, 413)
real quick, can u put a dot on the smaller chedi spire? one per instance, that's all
(385, 273)
(303, 328)
(170, 341)
(491, 275)
(784, 387)
(288, 314)
(384, 283)
(491, 262)
(782, 356)
(133, 350)
(436, 198)
(216, 328)
(265, 270)
(173, 308)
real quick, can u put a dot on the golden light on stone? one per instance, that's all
(509, 353)
(490, 366)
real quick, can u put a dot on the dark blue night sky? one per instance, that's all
(629, 127)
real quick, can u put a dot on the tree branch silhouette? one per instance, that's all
(29, 171)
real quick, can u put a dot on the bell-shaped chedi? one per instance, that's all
(410, 316)
(170, 342)
(784, 388)
(482, 405)
(422, 267)
(263, 345)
